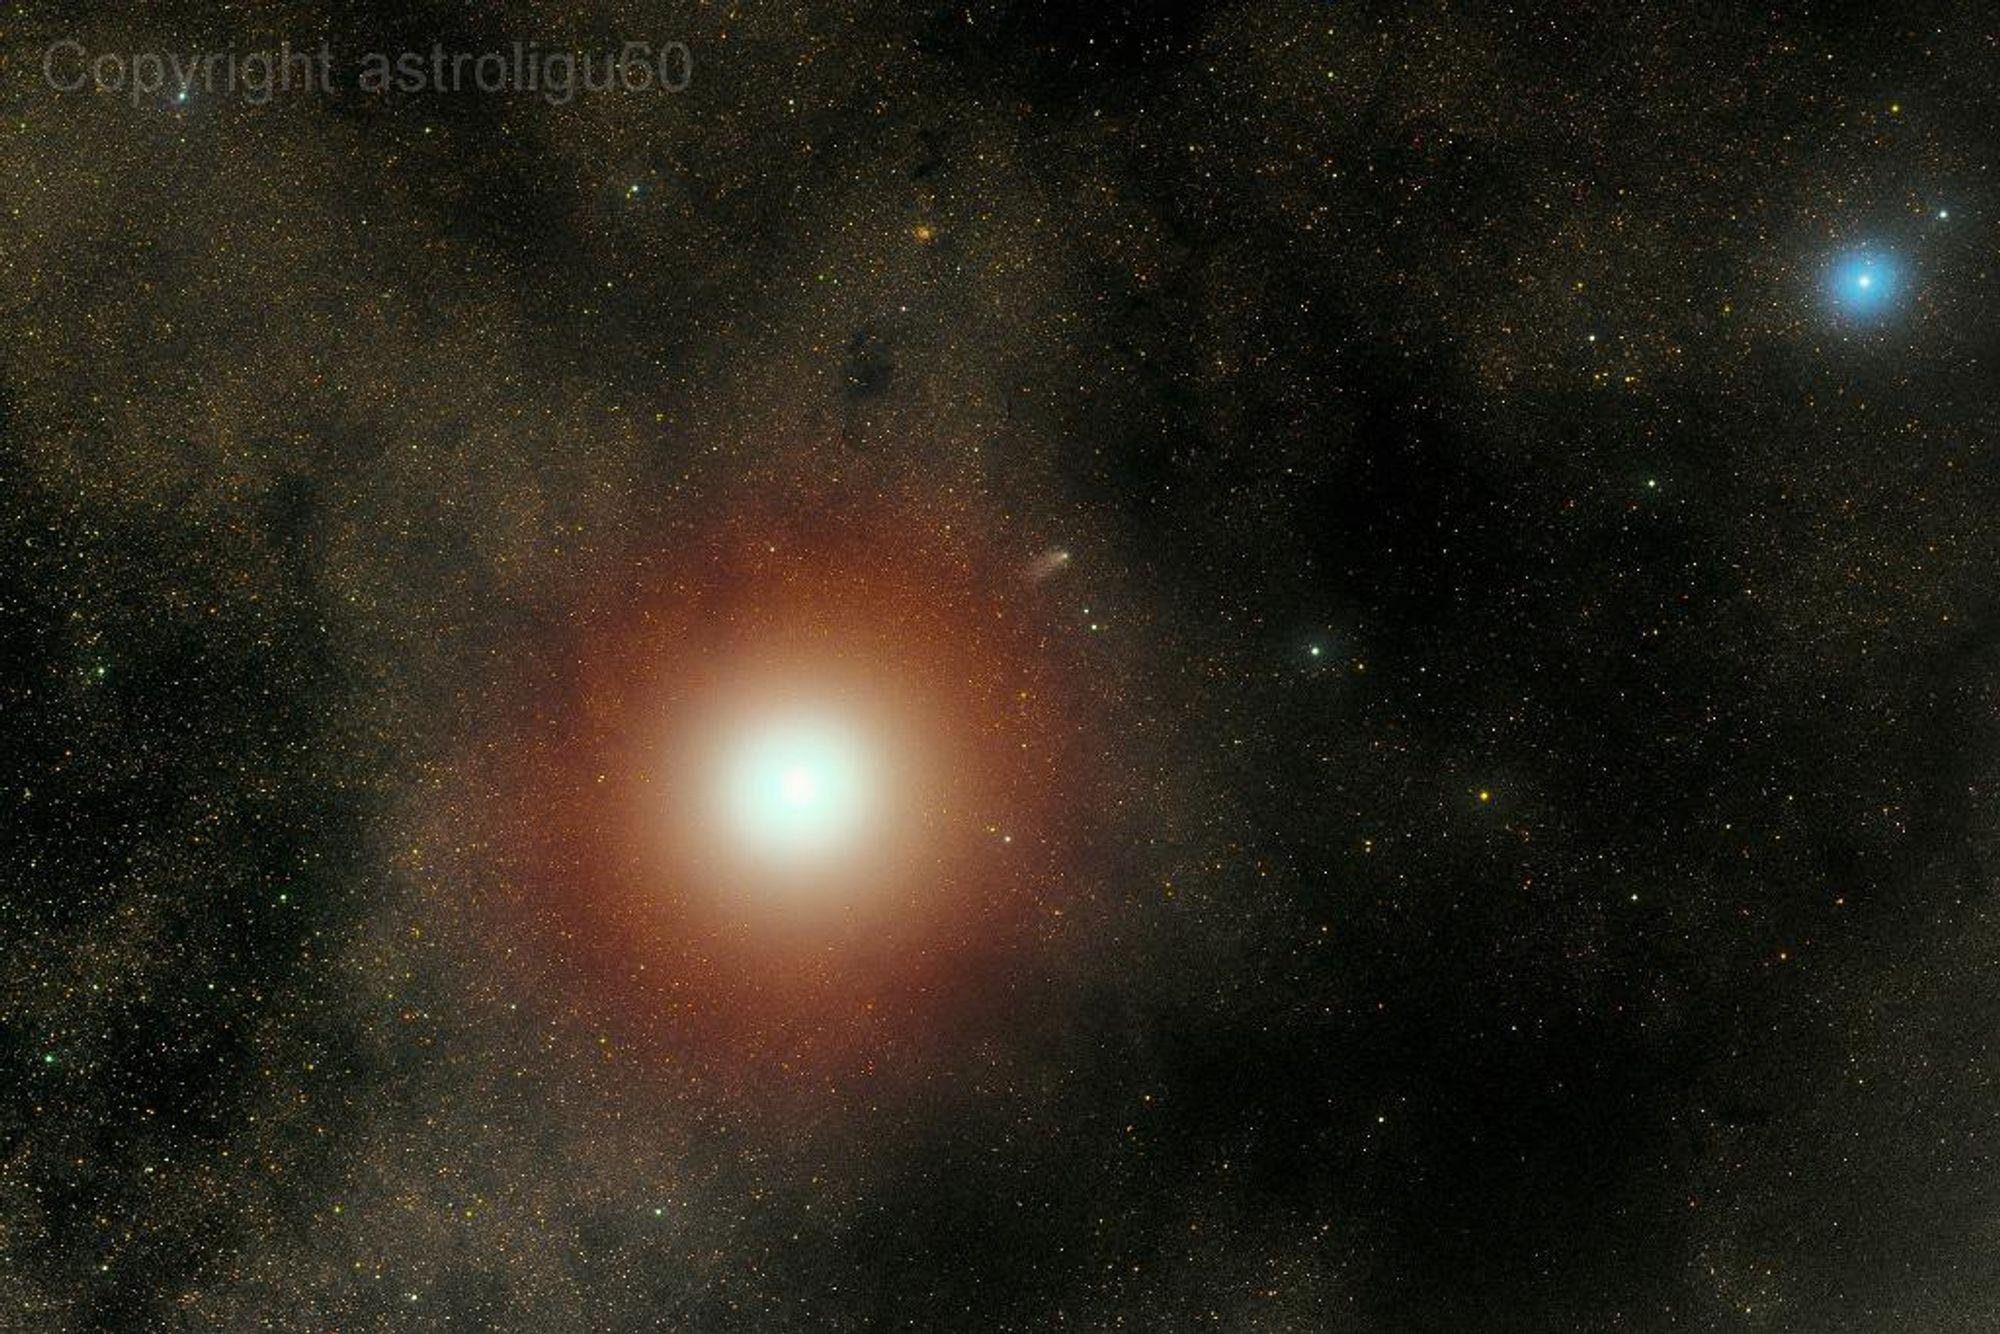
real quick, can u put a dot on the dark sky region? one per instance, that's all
(1015, 666)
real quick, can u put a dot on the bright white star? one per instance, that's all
(798, 789)
(1865, 284)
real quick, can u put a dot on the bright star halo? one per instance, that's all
(1864, 284)
(809, 762)
(798, 789)
(793, 786)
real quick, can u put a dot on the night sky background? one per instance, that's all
(1511, 843)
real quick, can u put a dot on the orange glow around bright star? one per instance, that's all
(804, 766)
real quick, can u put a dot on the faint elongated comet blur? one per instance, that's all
(1052, 561)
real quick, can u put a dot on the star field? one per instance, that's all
(1374, 628)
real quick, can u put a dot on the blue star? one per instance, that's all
(1864, 284)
